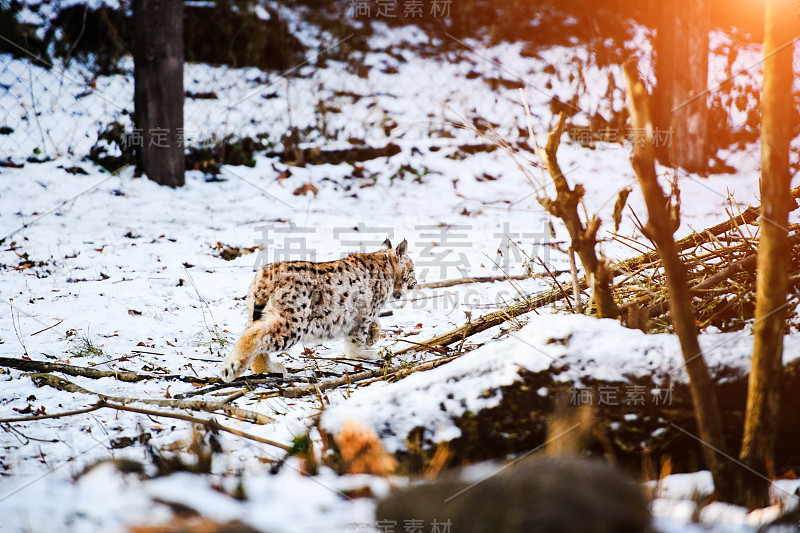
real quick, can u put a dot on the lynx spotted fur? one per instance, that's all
(302, 301)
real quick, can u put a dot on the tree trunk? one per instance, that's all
(660, 229)
(681, 117)
(758, 444)
(158, 89)
(666, 57)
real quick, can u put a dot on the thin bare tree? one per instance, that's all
(660, 227)
(774, 250)
(583, 236)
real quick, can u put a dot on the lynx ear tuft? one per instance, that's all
(402, 248)
(387, 245)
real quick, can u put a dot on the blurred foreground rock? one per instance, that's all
(540, 494)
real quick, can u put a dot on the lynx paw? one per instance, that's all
(276, 368)
(354, 351)
(230, 370)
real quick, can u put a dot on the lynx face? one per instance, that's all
(404, 271)
(301, 301)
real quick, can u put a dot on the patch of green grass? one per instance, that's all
(216, 341)
(386, 354)
(300, 445)
(407, 170)
(84, 347)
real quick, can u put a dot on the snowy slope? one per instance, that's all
(130, 267)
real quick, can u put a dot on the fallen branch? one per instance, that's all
(33, 418)
(426, 346)
(48, 327)
(746, 264)
(209, 423)
(398, 372)
(479, 279)
(299, 392)
(527, 305)
(246, 381)
(355, 362)
(748, 216)
(564, 295)
(403, 372)
(743, 265)
(492, 319)
(93, 373)
(71, 370)
(247, 415)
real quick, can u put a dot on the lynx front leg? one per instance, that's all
(261, 337)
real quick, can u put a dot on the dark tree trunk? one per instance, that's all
(758, 445)
(664, 68)
(158, 92)
(681, 69)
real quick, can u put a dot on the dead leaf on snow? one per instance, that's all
(305, 189)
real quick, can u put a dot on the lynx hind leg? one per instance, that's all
(260, 363)
(260, 337)
(356, 348)
(358, 344)
(263, 364)
(374, 333)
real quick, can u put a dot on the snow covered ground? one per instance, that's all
(585, 346)
(132, 269)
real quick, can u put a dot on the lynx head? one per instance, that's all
(403, 267)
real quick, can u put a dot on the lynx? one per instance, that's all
(303, 301)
